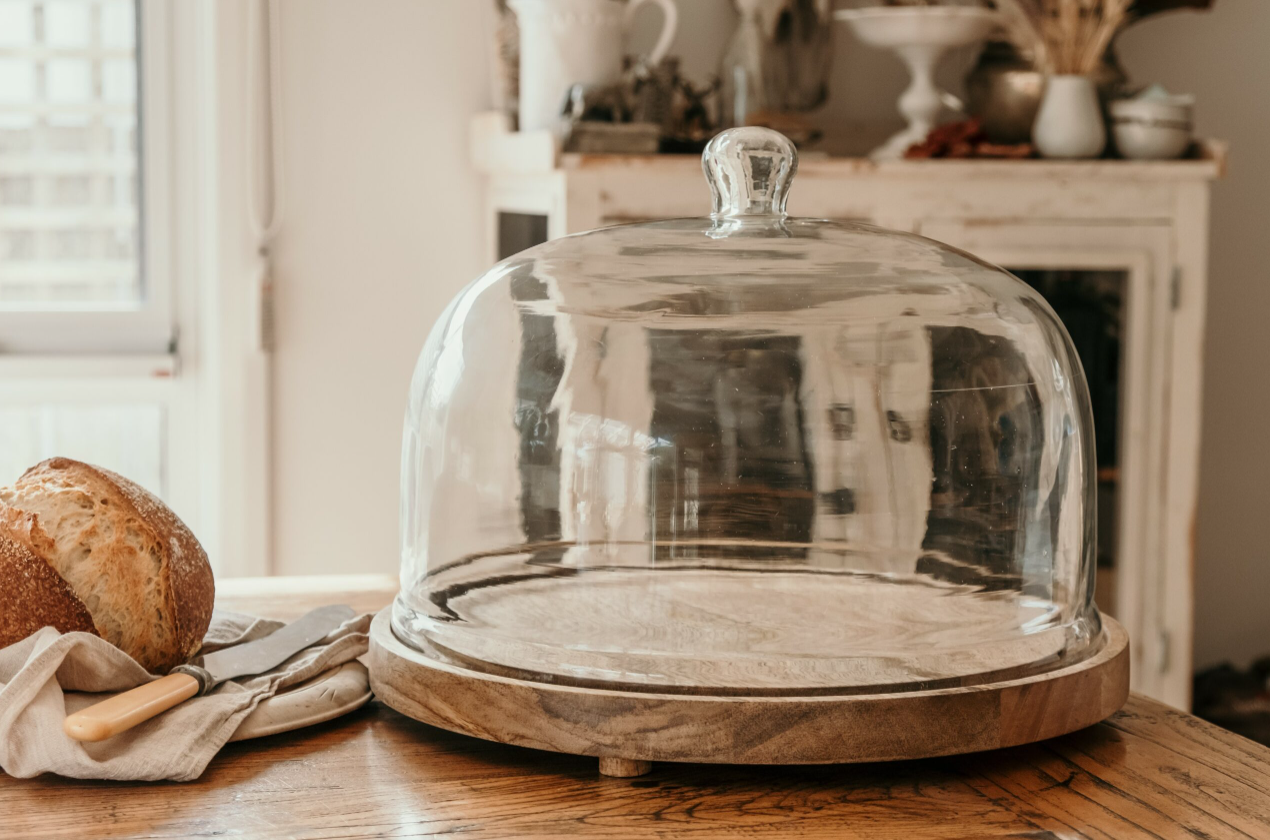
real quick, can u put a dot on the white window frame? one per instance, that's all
(192, 346)
(147, 326)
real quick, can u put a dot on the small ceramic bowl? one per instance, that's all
(1152, 129)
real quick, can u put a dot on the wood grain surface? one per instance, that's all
(1148, 772)
(737, 631)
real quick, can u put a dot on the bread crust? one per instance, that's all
(185, 577)
(38, 595)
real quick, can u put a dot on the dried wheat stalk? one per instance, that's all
(1066, 37)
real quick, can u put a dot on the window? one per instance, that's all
(84, 193)
(69, 208)
(126, 271)
(86, 320)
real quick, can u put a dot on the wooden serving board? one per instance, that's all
(628, 729)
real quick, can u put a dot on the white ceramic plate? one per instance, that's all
(324, 697)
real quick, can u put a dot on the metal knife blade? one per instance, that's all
(276, 648)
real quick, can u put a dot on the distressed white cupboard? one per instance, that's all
(1137, 229)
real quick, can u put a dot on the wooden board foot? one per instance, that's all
(624, 768)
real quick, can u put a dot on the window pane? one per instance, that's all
(127, 439)
(69, 202)
(15, 23)
(66, 23)
(17, 81)
(68, 80)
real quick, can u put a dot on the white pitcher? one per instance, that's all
(1069, 122)
(568, 42)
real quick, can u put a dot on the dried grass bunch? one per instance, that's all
(1064, 37)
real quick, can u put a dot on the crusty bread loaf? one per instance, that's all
(128, 562)
(35, 596)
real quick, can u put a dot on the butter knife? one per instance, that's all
(124, 711)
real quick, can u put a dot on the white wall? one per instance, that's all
(384, 227)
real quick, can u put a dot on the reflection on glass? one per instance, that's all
(1090, 303)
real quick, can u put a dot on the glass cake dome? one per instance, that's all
(749, 454)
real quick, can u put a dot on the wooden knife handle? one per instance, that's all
(124, 711)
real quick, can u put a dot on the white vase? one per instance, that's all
(1069, 123)
(568, 42)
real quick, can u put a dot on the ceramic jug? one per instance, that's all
(568, 42)
(1069, 123)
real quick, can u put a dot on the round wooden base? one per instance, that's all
(628, 729)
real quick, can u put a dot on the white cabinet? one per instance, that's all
(1120, 248)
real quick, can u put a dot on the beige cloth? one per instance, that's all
(41, 678)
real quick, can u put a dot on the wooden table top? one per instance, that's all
(1148, 772)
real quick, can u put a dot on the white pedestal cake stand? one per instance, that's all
(627, 730)
(921, 36)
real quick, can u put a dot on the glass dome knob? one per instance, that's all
(750, 170)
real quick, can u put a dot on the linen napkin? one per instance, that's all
(37, 673)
